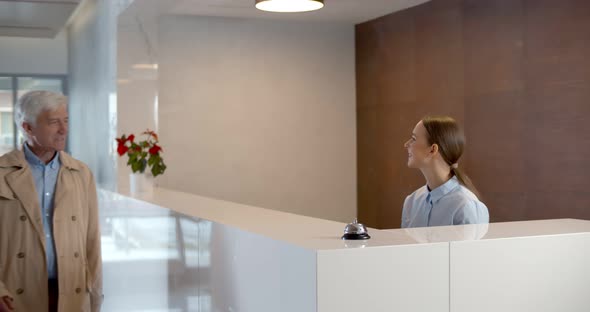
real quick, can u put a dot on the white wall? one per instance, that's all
(33, 55)
(137, 88)
(260, 112)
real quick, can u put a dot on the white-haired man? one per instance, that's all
(49, 229)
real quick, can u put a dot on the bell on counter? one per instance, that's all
(355, 231)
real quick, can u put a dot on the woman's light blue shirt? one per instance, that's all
(448, 204)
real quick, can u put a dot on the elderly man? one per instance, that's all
(49, 230)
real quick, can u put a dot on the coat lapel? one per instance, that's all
(65, 182)
(21, 183)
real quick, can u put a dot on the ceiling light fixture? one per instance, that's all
(285, 6)
(145, 66)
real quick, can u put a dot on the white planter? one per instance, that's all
(141, 184)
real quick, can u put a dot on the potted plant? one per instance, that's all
(142, 155)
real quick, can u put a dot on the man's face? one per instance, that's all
(50, 131)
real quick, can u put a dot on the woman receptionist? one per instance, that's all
(449, 197)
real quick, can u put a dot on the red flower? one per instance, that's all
(154, 149)
(152, 133)
(122, 149)
(143, 155)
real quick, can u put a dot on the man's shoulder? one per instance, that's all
(12, 159)
(70, 162)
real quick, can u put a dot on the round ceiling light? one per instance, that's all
(289, 5)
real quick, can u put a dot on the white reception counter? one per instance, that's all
(173, 251)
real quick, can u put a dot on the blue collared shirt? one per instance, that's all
(448, 204)
(45, 176)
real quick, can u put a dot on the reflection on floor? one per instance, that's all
(154, 259)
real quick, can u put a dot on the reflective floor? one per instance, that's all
(154, 259)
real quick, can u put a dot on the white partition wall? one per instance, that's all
(158, 260)
(252, 273)
(539, 273)
(174, 251)
(383, 279)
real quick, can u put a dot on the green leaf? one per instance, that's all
(135, 167)
(151, 160)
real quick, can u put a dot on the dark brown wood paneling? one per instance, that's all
(514, 72)
(494, 131)
(366, 169)
(507, 206)
(439, 54)
(493, 41)
(557, 139)
(557, 40)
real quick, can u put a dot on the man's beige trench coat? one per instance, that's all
(23, 268)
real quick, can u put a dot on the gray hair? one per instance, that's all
(33, 103)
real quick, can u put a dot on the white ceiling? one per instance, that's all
(34, 18)
(346, 11)
(45, 18)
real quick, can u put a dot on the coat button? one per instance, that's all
(76, 255)
(78, 290)
(23, 218)
(20, 291)
(73, 218)
(21, 255)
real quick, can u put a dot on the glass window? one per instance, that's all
(26, 84)
(6, 121)
(11, 88)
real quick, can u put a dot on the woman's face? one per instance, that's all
(418, 147)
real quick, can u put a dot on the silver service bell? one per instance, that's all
(356, 231)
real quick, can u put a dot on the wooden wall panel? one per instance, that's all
(515, 73)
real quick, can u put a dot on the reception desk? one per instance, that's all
(173, 251)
